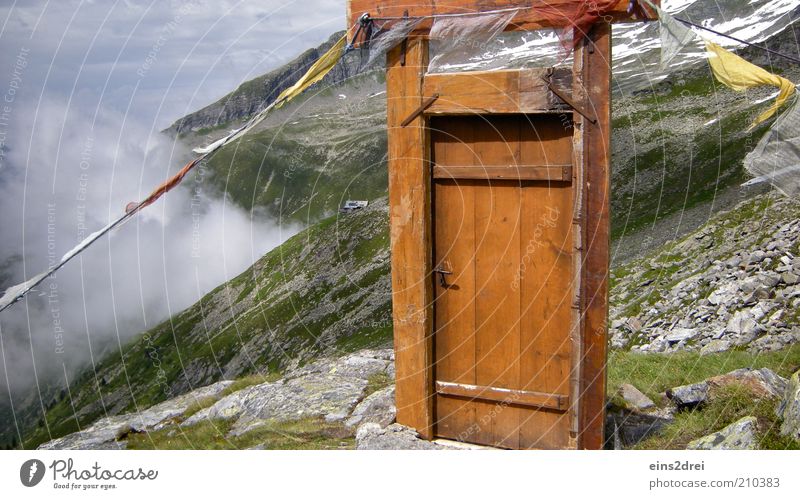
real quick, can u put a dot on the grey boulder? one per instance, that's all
(740, 435)
(789, 408)
(370, 436)
(376, 408)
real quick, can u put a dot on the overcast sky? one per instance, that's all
(85, 88)
(158, 58)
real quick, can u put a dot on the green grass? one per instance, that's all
(728, 404)
(305, 434)
(689, 170)
(377, 381)
(653, 374)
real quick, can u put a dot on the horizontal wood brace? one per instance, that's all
(511, 91)
(553, 173)
(504, 395)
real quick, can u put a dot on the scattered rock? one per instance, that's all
(625, 428)
(635, 399)
(743, 326)
(740, 435)
(681, 334)
(715, 346)
(789, 278)
(370, 436)
(763, 383)
(688, 396)
(729, 293)
(377, 408)
(789, 408)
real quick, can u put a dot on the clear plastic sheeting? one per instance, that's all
(463, 40)
(675, 36)
(776, 158)
(512, 50)
(386, 39)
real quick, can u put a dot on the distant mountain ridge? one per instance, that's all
(635, 57)
(251, 96)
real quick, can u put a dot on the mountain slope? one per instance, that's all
(325, 291)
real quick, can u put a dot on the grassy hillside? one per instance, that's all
(312, 157)
(324, 291)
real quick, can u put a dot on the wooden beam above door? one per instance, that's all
(497, 92)
(528, 19)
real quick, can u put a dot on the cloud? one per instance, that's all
(198, 50)
(80, 138)
(79, 172)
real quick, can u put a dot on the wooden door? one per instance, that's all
(502, 193)
(511, 350)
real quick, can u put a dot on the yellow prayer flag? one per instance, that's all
(739, 75)
(315, 73)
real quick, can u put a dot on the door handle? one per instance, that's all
(442, 273)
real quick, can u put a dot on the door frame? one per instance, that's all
(411, 225)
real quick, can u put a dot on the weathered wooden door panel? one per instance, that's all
(502, 335)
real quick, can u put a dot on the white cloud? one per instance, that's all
(82, 131)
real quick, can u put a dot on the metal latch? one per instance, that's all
(442, 273)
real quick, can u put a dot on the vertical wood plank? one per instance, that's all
(596, 78)
(454, 308)
(545, 285)
(410, 223)
(497, 212)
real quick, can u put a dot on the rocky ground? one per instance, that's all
(634, 417)
(355, 394)
(348, 391)
(734, 283)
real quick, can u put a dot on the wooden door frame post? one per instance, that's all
(410, 226)
(594, 81)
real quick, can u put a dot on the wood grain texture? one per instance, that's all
(520, 397)
(596, 57)
(497, 92)
(551, 173)
(527, 19)
(410, 226)
(454, 308)
(503, 321)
